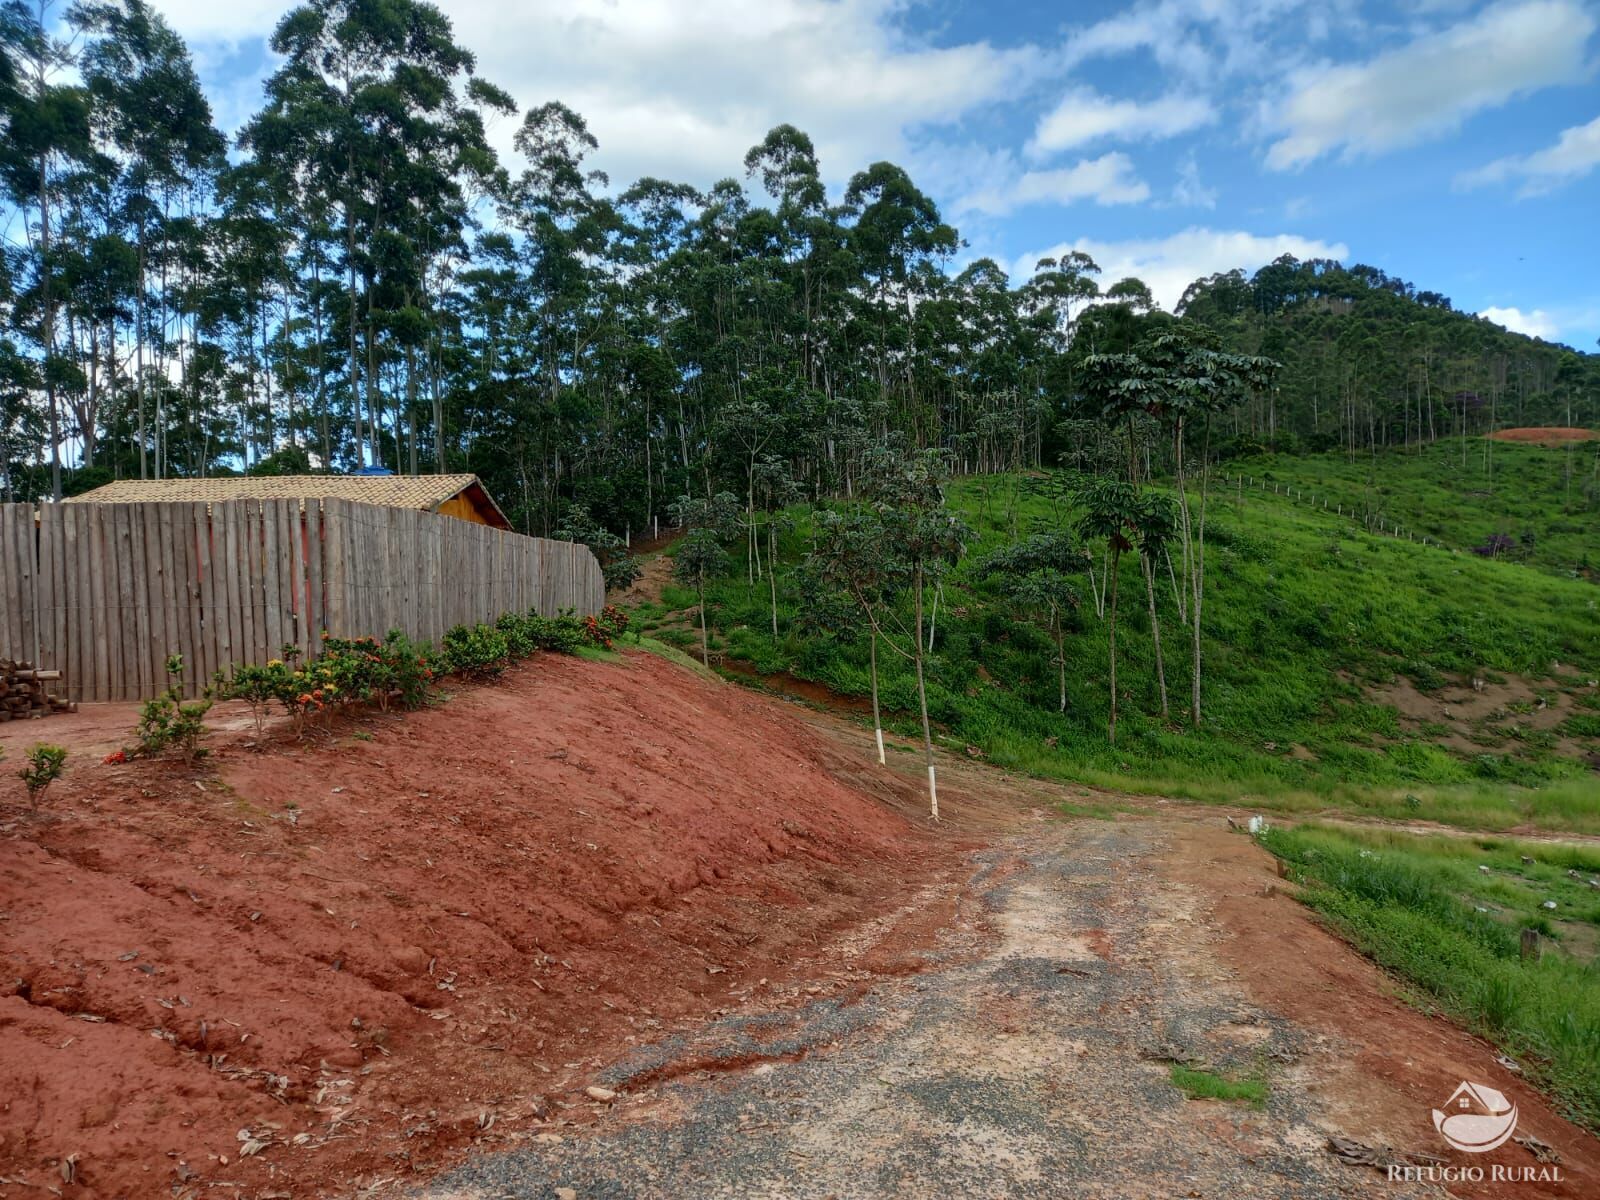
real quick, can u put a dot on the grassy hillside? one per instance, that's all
(1446, 912)
(1327, 651)
(1546, 502)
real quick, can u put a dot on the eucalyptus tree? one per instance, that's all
(376, 108)
(47, 138)
(897, 237)
(152, 118)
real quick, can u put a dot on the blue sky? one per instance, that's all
(1454, 144)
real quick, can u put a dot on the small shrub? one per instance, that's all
(476, 652)
(622, 572)
(260, 688)
(45, 764)
(168, 722)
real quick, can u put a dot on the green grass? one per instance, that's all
(1306, 616)
(1546, 500)
(1421, 907)
(1207, 1085)
(672, 654)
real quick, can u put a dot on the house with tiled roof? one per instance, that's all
(460, 496)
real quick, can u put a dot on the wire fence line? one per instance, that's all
(1372, 522)
(106, 592)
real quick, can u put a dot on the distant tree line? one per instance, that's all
(359, 281)
(1370, 361)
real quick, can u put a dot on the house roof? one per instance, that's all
(426, 492)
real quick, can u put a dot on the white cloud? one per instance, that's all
(1086, 116)
(1169, 265)
(1106, 180)
(683, 90)
(1536, 323)
(1575, 153)
(1190, 190)
(1430, 85)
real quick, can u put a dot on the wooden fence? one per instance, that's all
(105, 592)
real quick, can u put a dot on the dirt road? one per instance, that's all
(1033, 1057)
(411, 951)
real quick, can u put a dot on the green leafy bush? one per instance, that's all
(44, 766)
(168, 722)
(477, 651)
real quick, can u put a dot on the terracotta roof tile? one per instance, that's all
(395, 491)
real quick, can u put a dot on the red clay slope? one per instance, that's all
(361, 952)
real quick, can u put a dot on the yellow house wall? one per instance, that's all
(462, 508)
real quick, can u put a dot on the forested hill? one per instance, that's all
(358, 279)
(1370, 360)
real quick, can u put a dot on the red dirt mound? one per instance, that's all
(306, 969)
(1544, 435)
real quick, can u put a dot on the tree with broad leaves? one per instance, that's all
(1035, 575)
(905, 488)
(710, 521)
(853, 560)
(1111, 512)
(620, 568)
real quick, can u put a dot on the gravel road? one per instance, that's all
(1032, 1057)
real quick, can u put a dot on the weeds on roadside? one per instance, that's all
(1446, 914)
(1208, 1085)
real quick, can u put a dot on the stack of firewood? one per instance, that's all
(26, 691)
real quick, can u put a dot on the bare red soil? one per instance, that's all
(355, 958)
(1545, 435)
(1382, 1064)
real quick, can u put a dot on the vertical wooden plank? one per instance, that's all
(295, 562)
(249, 581)
(123, 680)
(252, 582)
(106, 593)
(225, 562)
(204, 522)
(255, 579)
(51, 612)
(12, 644)
(291, 572)
(100, 590)
(161, 644)
(239, 612)
(356, 564)
(18, 559)
(43, 595)
(92, 637)
(76, 552)
(272, 575)
(148, 676)
(175, 544)
(13, 637)
(278, 573)
(160, 527)
(316, 601)
(333, 581)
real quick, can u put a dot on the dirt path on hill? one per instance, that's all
(1032, 1057)
(403, 953)
(1031, 1054)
